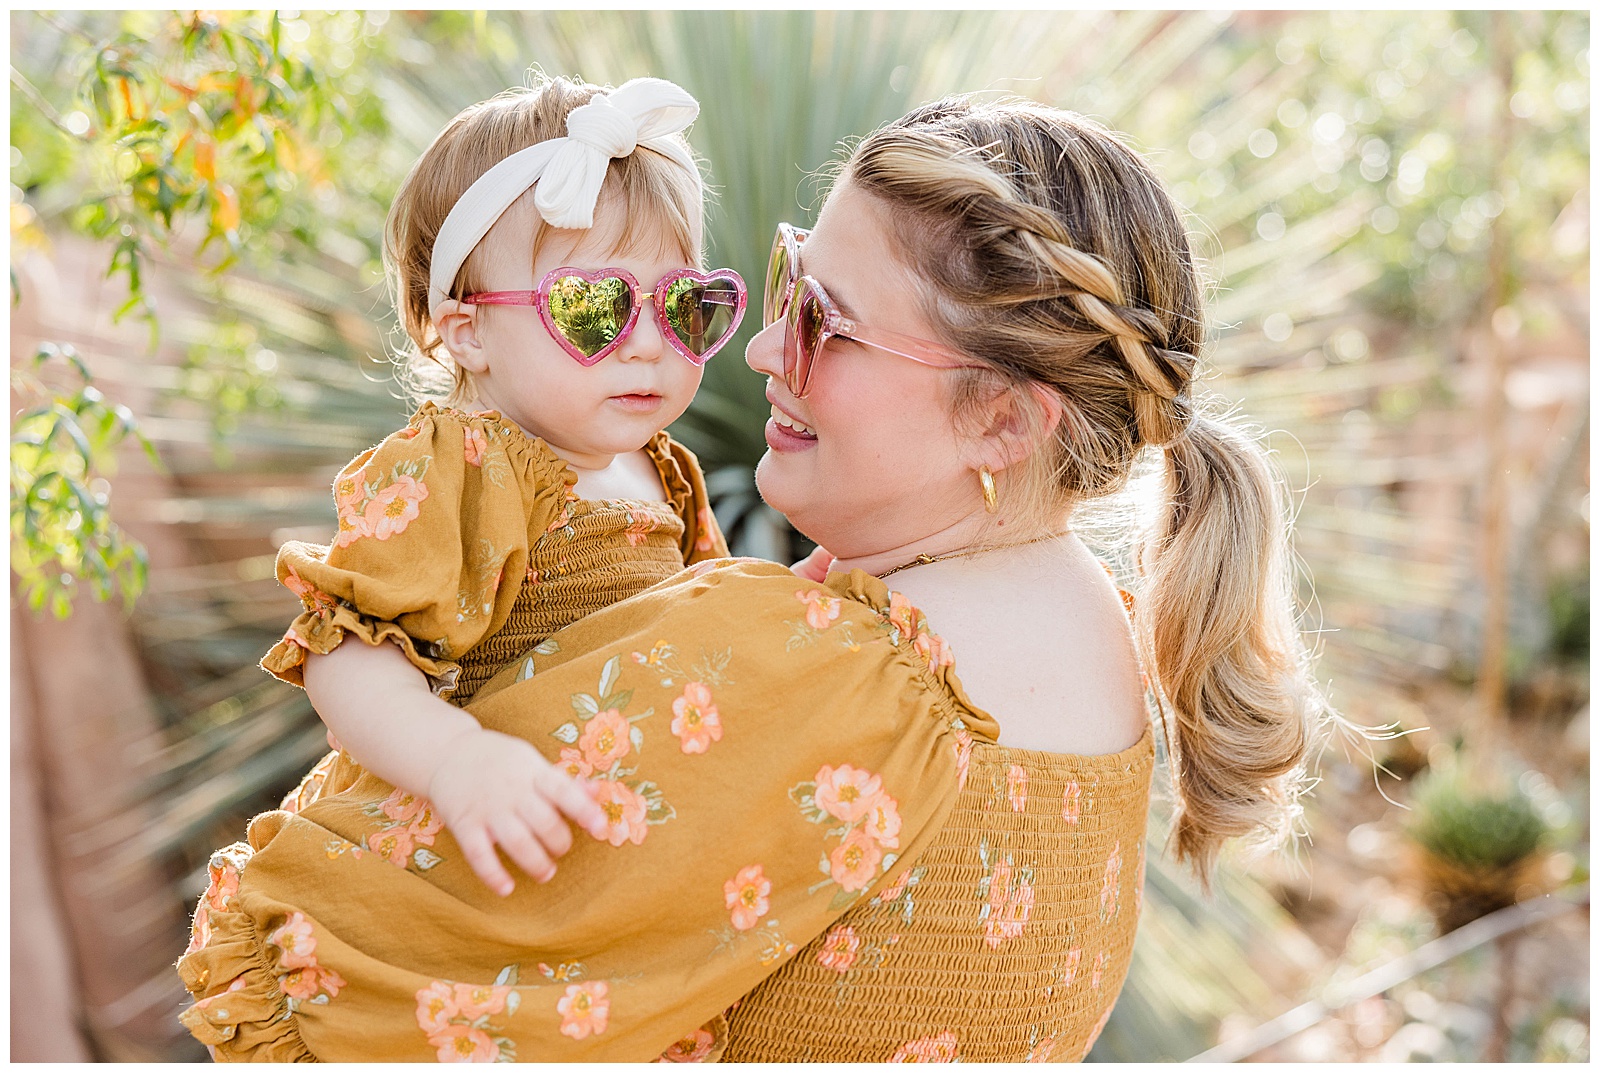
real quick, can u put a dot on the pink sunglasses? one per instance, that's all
(811, 319)
(590, 313)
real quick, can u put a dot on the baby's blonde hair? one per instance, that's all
(658, 198)
(1052, 253)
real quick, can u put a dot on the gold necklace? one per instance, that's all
(925, 559)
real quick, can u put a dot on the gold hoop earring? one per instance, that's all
(991, 501)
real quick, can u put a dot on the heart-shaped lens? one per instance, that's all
(701, 312)
(590, 314)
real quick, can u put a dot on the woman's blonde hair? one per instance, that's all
(1052, 253)
(659, 200)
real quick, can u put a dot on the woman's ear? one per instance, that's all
(458, 330)
(1017, 422)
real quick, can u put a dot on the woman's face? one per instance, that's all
(881, 464)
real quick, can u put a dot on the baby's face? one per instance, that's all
(588, 414)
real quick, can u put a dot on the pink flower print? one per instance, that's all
(1100, 960)
(641, 525)
(932, 647)
(895, 889)
(352, 527)
(1070, 973)
(883, 822)
(295, 942)
(846, 792)
(854, 863)
(963, 755)
(408, 433)
(224, 881)
(902, 616)
(605, 740)
(393, 845)
(425, 824)
(309, 596)
(401, 806)
(573, 763)
(308, 981)
(348, 489)
(1042, 1050)
(821, 608)
(1017, 787)
(1094, 1033)
(475, 1001)
(746, 897)
(436, 1006)
(1009, 915)
(395, 507)
(463, 1043)
(585, 1009)
(707, 522)
(692, 1048)
(200, 930)
(625, 811)
(940, 1048)
(1071, 802)
(839, 949)
(695, 719)
(1109, 886)
(293, 638)
(475, 445)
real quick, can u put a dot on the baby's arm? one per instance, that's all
(489, 788)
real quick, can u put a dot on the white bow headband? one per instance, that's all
(569, 171)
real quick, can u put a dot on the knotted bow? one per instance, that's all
(570, 171)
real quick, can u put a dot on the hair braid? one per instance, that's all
(1049, 251)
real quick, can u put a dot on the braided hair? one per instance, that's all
(1050, 251)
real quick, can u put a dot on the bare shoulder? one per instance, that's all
(1043, 644)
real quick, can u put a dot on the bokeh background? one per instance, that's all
(1394, 212)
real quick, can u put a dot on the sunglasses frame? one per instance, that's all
(834, 323)
(539, 299)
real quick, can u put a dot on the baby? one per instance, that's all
(545, 252)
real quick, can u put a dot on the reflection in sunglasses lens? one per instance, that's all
(777, 282)
(701, 314)
(590, 314)
(807, 319)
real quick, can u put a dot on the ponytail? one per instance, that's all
(1216, 626)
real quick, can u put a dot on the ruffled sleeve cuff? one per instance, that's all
(325, 628)
(239, 1008)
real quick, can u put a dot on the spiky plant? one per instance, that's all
(1343, 235)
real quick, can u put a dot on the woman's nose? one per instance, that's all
(764, 353)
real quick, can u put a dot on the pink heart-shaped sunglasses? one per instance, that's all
(590, 313)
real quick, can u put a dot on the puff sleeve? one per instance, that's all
(769, 752)
(435, 527)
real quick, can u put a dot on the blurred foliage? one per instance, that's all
(1478, 823)
(208, 136)
(63, 449)
(1344, 192)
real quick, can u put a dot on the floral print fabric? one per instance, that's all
(442, 528)
(757, 790)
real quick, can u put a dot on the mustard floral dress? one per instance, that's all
(816, 850)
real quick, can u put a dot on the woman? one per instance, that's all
(862, 854)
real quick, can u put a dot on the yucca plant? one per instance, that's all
(1478, 839)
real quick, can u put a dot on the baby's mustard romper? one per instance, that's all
(461, 541)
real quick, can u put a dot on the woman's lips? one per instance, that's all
(785, 433)
(638, 403)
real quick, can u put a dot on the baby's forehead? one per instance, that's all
(616, 235)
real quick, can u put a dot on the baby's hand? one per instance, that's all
(494, 789)
(814, 567)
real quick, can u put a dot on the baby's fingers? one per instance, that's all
(522, 847)
(568, 795)
(477, 848)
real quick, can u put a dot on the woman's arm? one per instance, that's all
(489, 788)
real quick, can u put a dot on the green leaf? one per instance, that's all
(609, 673)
